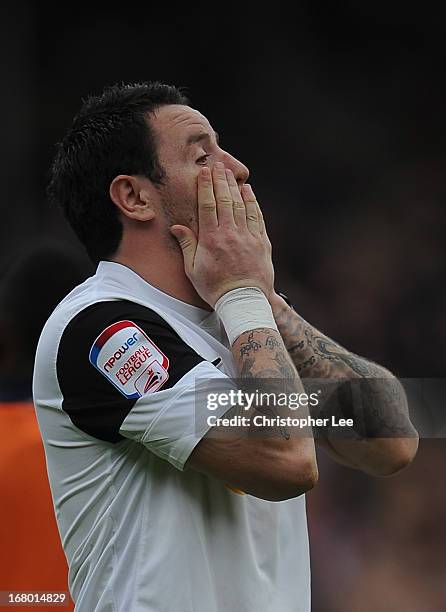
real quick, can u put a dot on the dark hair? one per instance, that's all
(109, 136)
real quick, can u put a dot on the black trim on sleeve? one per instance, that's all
(91, 401)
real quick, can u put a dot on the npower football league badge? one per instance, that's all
(125, 355)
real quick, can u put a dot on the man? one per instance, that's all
(159, 510)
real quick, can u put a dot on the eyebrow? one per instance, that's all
(198, 137)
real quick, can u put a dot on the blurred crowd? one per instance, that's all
(375, 283)
(377, 545)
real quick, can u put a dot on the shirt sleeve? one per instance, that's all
(125, 373)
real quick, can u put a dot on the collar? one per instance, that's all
(133, 284)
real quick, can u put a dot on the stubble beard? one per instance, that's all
(177, 212)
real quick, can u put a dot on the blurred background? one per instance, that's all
(338, 111)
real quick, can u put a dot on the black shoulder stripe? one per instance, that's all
(94, 404)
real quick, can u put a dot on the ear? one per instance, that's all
(132, 198)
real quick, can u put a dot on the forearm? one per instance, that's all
(264, 365)
(314, 354)
(388, 440)
(284, 458)
(264, 460)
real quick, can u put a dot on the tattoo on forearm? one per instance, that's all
(385, 408)
(262, 355)
(272, 343)
(306, 364)
(316, 355)
(296, 347)
(379, 403)
(284, 366)
(325, 348)
(280, 365)
(250, 345)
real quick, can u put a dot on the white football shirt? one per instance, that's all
(114, 395)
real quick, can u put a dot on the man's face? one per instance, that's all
(185, 143)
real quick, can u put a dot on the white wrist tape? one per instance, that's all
(244, 309)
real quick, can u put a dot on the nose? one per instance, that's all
(241, 172)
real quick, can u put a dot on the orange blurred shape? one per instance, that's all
(32, 558)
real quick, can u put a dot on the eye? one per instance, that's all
(203, 159)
